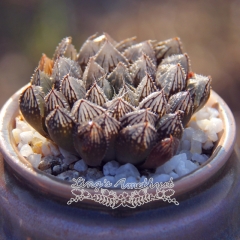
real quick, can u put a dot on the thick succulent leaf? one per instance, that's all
(139, 116)
(65, 49)
(110, 39)
(73, 89)
(62, 67)
(162, 152)
(142, 66)
(182, 59)
(146, 87)
(31, 104)
(118, 108)
(103, 83)
(109, 124)
(162, 73)
(134, 52)
(111, 128)
(92, 72)
(167, 48)
(60, 124)
(134, 143)
(170, 124)
(55, 98)
(103, 38)
(128, 95)
(88, 50)
(83, 110)
(156, 102)
(162, 68)
(96, 95)
(126, 43)
(46, 64)
(91, 47)
(119, 77)
(41, 79)
(173, 81)
(91, 143)
(199, 87)
(181, 101)
(108, 57)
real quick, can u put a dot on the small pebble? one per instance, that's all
(212, 135)
(188, 153)
(93, 174)
(26, 137)
(212, 112)
(188, 132)
(64, 166)
(48, 162)
(54, 149)
(38, 136)
(26, 150)
(185, 145)
(23, 126)
(57, 169)
(208, 145)
(193, 124)
(196, 146)
(216, 124)
(16, 135)
(68, 175)
(160, 169)
(20, 146)
(36, 140)
(181, 169)
(80, 166)
(202, 114)
(173, 162)
(46, 150)
(110, 168)
(34, 159)
(203, 124)
(128, 170)
(190, 165)
(199, 136)
(199, 158)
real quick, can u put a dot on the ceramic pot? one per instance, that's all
(34, 205)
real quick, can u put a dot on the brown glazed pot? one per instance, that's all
(34, 206)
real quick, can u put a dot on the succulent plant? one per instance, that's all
(123, 101)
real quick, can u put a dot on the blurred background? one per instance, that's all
(209, 30)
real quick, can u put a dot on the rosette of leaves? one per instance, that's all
(126, 101)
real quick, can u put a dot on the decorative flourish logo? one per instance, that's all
(105, 192)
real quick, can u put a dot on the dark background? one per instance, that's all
(209, 30)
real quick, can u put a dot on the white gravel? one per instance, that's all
(34, 159)
(26, 150)
(80, 166)
(127, 170)
(110, 168)
(199, 136)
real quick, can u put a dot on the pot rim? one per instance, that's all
(62, 189)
